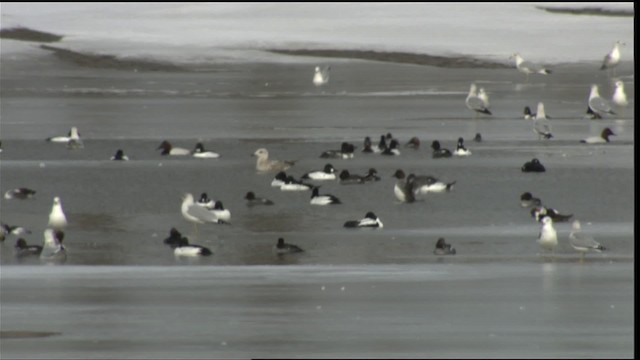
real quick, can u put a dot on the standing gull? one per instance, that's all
(619, 97)
(57, 219)
(482, 94)
(612, 59)
(528, 67)
(321, 75)
(597, 104)
(475, 103)
(582, 242)
(541, 124)
(548, 238)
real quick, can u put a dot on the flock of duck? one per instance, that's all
(407, 188)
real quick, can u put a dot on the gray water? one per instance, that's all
(376, 293)
(450, 310)
(498, 297)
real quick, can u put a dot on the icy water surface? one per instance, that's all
(120, 212)
(379, 293)
(503, 310)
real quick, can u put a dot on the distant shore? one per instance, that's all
(397, 57)
(113, 62)
(598, 11)
(110, 61)
(26, 34)
(25, 334)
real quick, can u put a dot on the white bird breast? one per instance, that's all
(321, 175)
(206, 155)
(370, 223)
(179, 151)
(595, 140)
(399, 193)
(224, 215)
(462, 152)
(436, 187)
(294, 187)
(60, 139)
(57, 217)
(187, 251)
(321, 200)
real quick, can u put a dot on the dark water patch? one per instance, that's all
(26, 34)
(588, 11)
(397, 57)
(111, 61)
(25, 334)
(95, 222)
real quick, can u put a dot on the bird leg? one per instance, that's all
(195, 230)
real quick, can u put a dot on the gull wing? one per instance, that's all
(542, 127)
(582, 240)
(599, 105)
(202, 214)
(476, 104)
